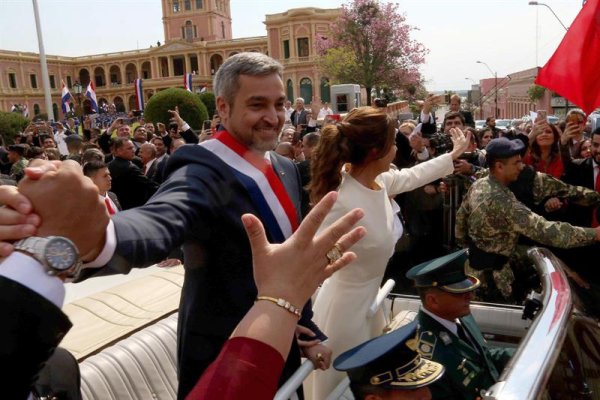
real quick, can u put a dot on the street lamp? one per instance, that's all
(495, 86)
(77, 88)
(537, 3)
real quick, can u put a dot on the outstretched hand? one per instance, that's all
(294, 269)
(460, 141)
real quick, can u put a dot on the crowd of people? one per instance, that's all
(248, 208)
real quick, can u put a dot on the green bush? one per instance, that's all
(11, 123)
(191, 109)
(208, 98)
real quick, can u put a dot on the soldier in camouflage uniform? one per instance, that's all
(491, 219)
(16, 155)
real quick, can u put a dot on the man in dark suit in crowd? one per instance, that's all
(455, 107)
(130, 185)
(208, 187)
(161, 158)
(298, 116)
(582, 172)
(98, 172)
(148, 155)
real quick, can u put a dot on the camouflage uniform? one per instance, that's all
(491, 218)
(17, 170)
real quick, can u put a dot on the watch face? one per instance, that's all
(60, 254)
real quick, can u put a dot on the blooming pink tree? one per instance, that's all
(370, 44)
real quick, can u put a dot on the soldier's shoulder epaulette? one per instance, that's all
(427, 343)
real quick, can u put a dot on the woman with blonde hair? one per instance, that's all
(353, 157)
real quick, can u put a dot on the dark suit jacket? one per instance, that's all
(301, 118)
(579, 172)
(199, 207)
(469, 367)
(115, 200)
(130, 185)
(31, 329)
(160, 170)
(151, 173)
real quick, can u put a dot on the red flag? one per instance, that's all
(573, 70)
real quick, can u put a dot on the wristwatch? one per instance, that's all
(58, 255)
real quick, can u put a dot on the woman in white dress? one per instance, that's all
(354, 157)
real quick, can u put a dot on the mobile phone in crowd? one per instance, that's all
(573, 119)
(206, 124)
(542, 115)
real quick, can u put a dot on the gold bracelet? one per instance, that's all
(282, 303)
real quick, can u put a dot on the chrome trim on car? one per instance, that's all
(528, 371)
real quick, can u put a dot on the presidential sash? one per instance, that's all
(277, 212)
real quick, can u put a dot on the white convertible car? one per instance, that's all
(125, 339)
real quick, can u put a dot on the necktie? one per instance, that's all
(463, 335)
(111, 210)
(595, 222)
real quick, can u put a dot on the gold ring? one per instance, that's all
(320, 357)
(335, 253)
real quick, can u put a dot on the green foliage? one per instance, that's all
(191, 108)
(536, 92)
(41, 117)
(11, 123)
(208, 98)
(340, 64)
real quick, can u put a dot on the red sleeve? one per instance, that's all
(244, 367)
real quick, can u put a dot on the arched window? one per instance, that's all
(306, 91)
(176, 7)
(36, 109)
(325, 90)
(290, 90)
(54, 117)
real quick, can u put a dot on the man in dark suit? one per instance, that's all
(161, 158)
(130, 185)
(32, 322)
(207, 189)
(448, 333)
(582, 172)
(298, 116)
(148, 155)
(455, 107)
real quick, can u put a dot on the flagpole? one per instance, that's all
(45, 77)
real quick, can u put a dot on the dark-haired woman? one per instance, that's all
(544, 150)
(354, 157)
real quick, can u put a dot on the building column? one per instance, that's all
(154, 69)
(188, 64)
(123, 76)
(107, 76)
(170, 63)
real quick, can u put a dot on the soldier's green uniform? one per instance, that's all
(471, 366)
(17, 170)
(491, 218)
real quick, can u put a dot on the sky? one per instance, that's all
(508, 35)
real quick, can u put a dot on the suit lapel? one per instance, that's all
(448, 338)
(470, 325)
(289, 178)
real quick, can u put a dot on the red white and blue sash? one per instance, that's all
(277, 212)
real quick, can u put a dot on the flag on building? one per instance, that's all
(139, 94)
(90, 93)
(572, 71)
(66, 98)
(187, 82)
